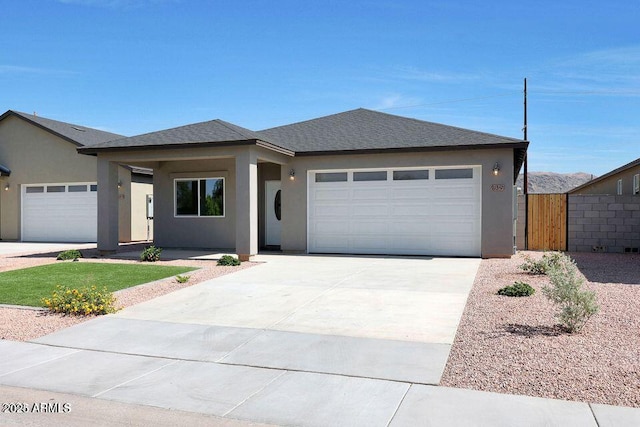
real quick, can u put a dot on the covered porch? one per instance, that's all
(204, 197)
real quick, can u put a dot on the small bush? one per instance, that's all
(518, 289)
(228, 260)
(575, 304)
(83, 302)
(548, 261)
(150, 254)
(182, 279)
(70, 254)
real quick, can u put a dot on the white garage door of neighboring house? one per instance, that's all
(417, 211)
(60, 212)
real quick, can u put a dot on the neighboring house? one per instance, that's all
(359, 182)
(48, 192)
(623, 181)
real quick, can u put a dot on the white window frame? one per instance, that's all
(619, 188)
(198, 179)
(636, 184)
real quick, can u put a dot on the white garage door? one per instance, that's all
(60, 212)
(419, 211)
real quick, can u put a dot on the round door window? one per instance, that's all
(277, 204)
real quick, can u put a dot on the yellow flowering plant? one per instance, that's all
(86, 301)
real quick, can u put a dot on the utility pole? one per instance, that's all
(525, 180)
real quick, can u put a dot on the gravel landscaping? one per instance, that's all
(20, 324)
(514, 345)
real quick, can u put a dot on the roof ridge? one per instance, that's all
(311, 120)
(234, 128)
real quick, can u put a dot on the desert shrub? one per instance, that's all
(575, 304)
(518, 289)
(228, 260)
(150, 254)
(182, 279)
(80, 302)
(548, 261)
(70, 254)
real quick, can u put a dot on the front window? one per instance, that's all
(199, 197)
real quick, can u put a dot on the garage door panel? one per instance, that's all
(375, 228)
(370, 244)
(412, 217)
(332, 194)
(369, 210)
(331, 210)
(369, 194)
(420, 212)
(59, 216)
(403, 194)
(331, 227)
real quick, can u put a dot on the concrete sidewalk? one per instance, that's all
(304, 340)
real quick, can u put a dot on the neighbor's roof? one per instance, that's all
(362, 129)
(622, 168)
(216, 132)
(76, 134)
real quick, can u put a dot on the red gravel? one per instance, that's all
(514, 345)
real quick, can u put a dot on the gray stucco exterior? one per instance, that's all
(246, 163)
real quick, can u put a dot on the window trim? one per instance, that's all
(198, 179)
(636, 184)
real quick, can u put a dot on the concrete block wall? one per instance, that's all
(603, 223)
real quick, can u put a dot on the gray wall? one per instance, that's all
(200, 232)
(497, 207)
(603, 223)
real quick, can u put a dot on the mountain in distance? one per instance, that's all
(552, 182)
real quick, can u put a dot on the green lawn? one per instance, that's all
(29, 285)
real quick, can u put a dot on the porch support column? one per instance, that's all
(246, 204)
(107, 206)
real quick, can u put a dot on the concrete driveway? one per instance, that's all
(298, 340)
(8, 248)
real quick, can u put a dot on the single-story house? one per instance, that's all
(622, 181)
(360, 182)
(48, 192)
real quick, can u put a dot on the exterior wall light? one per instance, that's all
(6, 187)
(119, 184)
(496, 169)
(292, 174)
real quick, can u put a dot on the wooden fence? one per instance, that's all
(547, 222)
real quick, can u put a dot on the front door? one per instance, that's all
(273, 213)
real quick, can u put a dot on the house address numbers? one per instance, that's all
(497, 187)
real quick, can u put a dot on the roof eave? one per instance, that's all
(622, 168)
(513, 145)
(90, 150)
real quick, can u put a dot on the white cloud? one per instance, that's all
(20, 69)
(413, 73)
(393, 101)
(613, 71)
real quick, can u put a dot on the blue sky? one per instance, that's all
(135, 66)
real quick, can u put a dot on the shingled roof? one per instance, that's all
(216, 132)
(622, 168)
(76, 134)
(362, 129)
